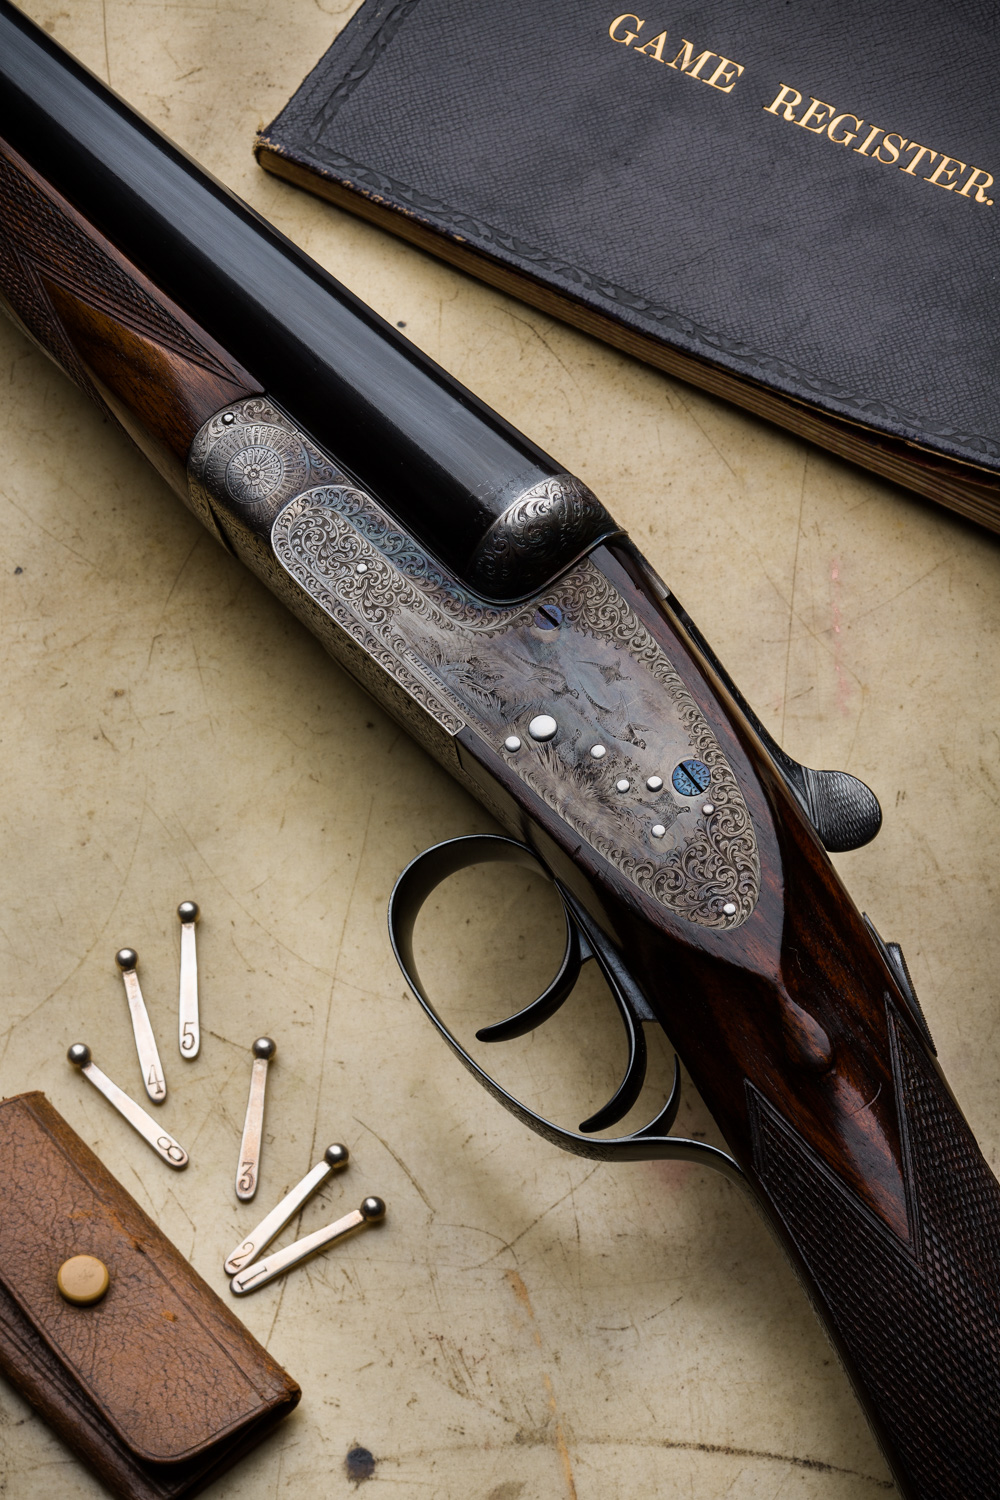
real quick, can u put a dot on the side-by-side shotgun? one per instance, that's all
(491, 604)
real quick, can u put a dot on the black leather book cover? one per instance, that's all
(791, 205)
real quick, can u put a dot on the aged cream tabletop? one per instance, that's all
(524, 1325)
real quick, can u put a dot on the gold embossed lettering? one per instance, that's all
(979, 180)
(691, 65)
(657, 43)
(919, 152)
(788, 99)
(949, 165)
(892, 150)
(851, 135)
(862, 150)
(820, 118)
(725, 76)
(817, 111)
(629, 36)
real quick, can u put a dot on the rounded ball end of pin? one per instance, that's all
(373, 1209)
(264, 1047)
(188, 911)
(336, 1155)
(79, 1054)
(126, 959)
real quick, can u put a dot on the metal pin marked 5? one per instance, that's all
(248, 1170)
(268, 1229)
(163, 1144)
(258, 1275)
(145, 1042)
(188, 1025)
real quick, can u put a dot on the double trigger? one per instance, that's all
(584, 941)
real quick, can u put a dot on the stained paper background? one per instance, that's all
(524, 1326)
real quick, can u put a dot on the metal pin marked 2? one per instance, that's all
(145, 1042)
(188, 1025)
(163, 1144)
(248, 1170)
(269, 1228)
(263, 1271)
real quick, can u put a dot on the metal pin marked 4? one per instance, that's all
(163, 1144)
(145, 1042)
(248, 1170)
(371, 1211)
(188, 1024)
(269, 1228)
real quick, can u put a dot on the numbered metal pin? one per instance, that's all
(188, 1025)
(371, 1211)
(248, 1171)
(268, 1229)
(163, 1144)
(145, 1042)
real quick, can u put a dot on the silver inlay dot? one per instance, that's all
(543, 727)
(709, 807)
(512, 743)
(623, 784)
(730, 909)
(658, 830)
(598, 751)
(361, 568)
(655, 783)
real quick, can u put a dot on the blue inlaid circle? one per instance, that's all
(691, 778)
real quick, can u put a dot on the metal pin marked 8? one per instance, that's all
(371, 1211)
(145, 1042)
(188, 1024)
(248, 1170)
(269, 1228)
(163, 1144)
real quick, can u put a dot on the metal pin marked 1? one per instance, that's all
(145, 1042)
(258, 1239)
(188, 1025)
(248, 1170)
(263, 1271)
(164, 1145)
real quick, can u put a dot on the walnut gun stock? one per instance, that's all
(489, 602)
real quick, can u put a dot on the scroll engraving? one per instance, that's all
(557, 519)
(459, 661)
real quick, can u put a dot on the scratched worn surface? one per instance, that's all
(525, 1326)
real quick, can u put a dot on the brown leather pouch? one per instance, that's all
(158, 1387)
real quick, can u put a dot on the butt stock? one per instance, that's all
(591, 719)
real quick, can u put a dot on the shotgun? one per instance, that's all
(490, 603)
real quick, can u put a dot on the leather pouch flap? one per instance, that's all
(161, 1358)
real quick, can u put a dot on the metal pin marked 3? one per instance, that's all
(248, 1170)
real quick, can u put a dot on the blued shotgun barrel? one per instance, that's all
(441, 461)
(487, 601)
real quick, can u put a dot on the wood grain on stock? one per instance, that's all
(113, 332)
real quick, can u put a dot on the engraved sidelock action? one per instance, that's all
(491, 604)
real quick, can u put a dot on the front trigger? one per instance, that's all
(585, 941)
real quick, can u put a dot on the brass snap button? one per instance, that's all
(83, 1279)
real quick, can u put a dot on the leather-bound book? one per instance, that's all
(791, 205)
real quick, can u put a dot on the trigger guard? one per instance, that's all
(411, 890)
